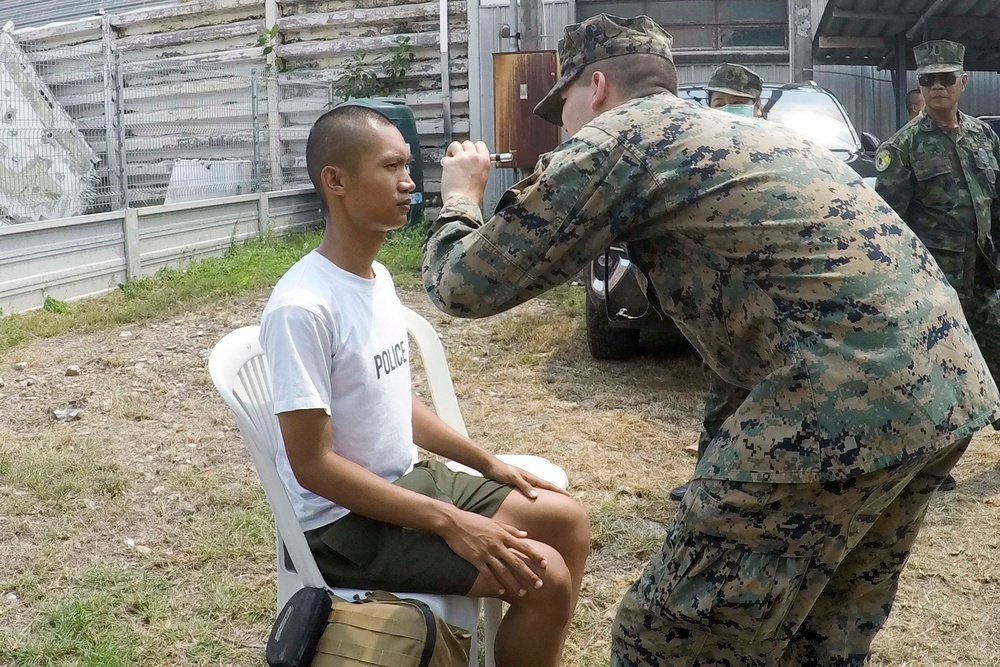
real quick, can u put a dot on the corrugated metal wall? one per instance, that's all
(42, 12)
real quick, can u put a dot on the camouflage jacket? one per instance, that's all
(944, 184)
(791, 277)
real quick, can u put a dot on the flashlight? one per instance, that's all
(500, 158)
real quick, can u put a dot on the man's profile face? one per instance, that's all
(377, 187)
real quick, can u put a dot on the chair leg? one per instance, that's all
(492, 613)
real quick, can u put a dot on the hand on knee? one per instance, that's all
(556, 595)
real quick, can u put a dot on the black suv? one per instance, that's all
(617, 304)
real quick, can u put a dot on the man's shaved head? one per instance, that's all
(338, 138)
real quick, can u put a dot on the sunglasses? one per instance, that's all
(946, 79)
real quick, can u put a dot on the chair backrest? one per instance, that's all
(239, 372)
(436, 369)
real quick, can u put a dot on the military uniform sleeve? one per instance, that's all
(995, 208)
(547, 228)
(895, 180)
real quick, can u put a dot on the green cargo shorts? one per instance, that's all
(358, 552)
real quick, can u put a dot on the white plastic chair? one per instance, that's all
(240, 375)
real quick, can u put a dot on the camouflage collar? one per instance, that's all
(969, 123)
(965, 122)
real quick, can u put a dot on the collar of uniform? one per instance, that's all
(965, 122)
(927, 123)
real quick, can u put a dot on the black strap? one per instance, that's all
(431, 642)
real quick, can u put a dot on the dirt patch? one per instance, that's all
(145, 512)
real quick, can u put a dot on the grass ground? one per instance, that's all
(138, 534)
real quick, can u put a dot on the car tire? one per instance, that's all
(607, 342)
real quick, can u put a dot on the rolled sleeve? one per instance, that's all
(548, 228)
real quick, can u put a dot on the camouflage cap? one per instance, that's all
(939, 55)
(736, 80)
(598, 38)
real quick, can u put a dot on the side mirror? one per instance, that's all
(869, 142)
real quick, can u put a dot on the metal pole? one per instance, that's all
(899, 79)
(120, 126)
(256, 130)
(110, 113)
(516, 22)
(446, 72)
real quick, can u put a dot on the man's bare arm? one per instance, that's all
(491, 546)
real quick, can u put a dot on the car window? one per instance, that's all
(994, 123)
(810, 112)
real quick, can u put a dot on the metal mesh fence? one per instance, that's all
(187, 133)
(50, 160)
(85, 130)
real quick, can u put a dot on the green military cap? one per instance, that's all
(736, 80)
(598, 38)
(939, 55)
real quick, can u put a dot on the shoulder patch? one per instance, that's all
(882, 160)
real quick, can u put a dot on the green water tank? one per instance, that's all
(402, 117)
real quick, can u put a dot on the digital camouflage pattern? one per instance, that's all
(736, 80)
(792, 278)
(939, 55)
(943, 184)
(599, 38)
(761, 575)
(722, 400)
(800, 287)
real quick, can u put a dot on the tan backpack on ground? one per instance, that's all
(318, 629)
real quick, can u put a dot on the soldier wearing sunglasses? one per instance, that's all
(939, 172)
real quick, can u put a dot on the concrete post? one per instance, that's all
(800, 39)
(530, 25)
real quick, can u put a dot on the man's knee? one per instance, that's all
(556, 593)
(552, 518)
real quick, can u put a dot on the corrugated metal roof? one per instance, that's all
(42, 12)
(865, 32)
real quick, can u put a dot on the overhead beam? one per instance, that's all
(874, 16)
(843, 42)
(911, 34)
(978, 23)
(987, 23)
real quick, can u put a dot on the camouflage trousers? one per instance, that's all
(722, 400)
(967, 273)
(791, 575)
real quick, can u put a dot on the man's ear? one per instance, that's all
(332, 179)
(601, 91)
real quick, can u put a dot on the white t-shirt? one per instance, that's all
(338, 342)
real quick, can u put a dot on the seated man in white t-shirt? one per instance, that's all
(338, 355)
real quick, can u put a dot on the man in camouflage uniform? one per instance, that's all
(794, 281)
(939, 172)
(736, 89)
